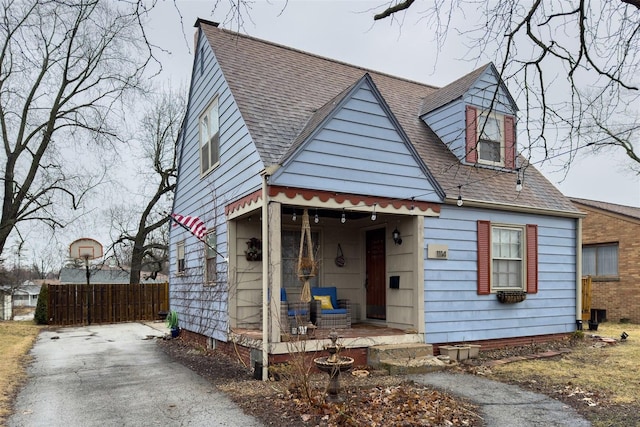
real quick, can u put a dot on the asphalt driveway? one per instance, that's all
(115, 375)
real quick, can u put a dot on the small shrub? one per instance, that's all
(41, 315)
(577, 335)
(625, 320)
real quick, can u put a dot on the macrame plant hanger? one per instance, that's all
(307, 267)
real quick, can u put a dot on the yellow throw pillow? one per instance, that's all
(325, 302)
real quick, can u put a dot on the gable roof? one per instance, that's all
(282, 92)
(115, 276)
(630, 211)
(458, 88)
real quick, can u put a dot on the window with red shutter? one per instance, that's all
(532, 258)
(490, 138)
(484, 257)
(507, 257)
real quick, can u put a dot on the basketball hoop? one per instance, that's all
(86, 249)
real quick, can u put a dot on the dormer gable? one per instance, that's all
(475, 116)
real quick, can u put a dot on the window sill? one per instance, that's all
(605, 279)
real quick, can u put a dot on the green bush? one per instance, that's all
(41, 315)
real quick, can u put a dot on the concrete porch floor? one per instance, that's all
(360, 335)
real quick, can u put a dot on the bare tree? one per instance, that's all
(65, 67)
(587, 50)
(147, 240)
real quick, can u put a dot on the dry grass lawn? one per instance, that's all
(16, 339)
(594, 374)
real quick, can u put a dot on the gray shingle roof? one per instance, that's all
(279, 89)
(629, 211)
(115, 276)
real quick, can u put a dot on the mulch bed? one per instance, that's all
(378, 399)
(375, 400)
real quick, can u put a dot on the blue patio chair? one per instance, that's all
(336, 313)
(292, 314)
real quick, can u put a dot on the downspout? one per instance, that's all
(579, 273)
(265, 278)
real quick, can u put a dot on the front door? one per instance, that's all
(376, 273)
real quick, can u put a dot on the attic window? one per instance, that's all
(490, 138)
(491, 141)
(209, 138)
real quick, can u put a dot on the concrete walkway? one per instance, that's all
(115, 375)
(504, 405)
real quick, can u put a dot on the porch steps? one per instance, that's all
(403, 359)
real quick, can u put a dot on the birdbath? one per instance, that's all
(333, 365)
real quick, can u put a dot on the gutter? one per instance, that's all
(578, 273)
(516, 208)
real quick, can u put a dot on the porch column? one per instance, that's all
(419, 255)
(275, 269)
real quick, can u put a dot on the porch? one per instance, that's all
(355, 341)
(379, 241)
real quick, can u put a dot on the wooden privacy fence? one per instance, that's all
(106, 303)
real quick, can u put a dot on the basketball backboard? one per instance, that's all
(86, 249)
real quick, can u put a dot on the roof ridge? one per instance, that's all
(283, 46)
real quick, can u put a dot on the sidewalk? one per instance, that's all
(504, 405)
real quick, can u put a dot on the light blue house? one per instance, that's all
(485, 249)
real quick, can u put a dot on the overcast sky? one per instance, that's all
(345, 31)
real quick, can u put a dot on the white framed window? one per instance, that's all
(209, 138)
(180, 257)
(507, 257)
(210, 261)
(491, 142)
(290, 252)
(600, 260)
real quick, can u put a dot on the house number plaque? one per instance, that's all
(437, 251)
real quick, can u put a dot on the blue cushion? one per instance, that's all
(331, 291)
(300, 312)
(283, 294)
(335, 311)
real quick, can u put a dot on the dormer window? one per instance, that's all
(491, 141)
(490, 138)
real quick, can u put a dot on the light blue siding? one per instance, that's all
(448, 122)
(358, 150)
(483, 94)
(203, 309)
(454, 311)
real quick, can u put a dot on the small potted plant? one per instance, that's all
(254, 249)
(172, 323)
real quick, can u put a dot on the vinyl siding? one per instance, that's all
(358, 150)
(203, 309)
(454, 311)
(448, 122)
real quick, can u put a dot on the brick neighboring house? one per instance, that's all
(611, 255)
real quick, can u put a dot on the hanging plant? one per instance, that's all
(307, 265)
(254, 249)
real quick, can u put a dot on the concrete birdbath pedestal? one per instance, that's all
(333, 365)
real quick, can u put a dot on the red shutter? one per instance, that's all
(509, 142)
(471, 135)
(484, 257)
(532, 258)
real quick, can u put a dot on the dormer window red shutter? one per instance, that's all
(484, 257)
(509, 142)
(471, 134)
(532, 259)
